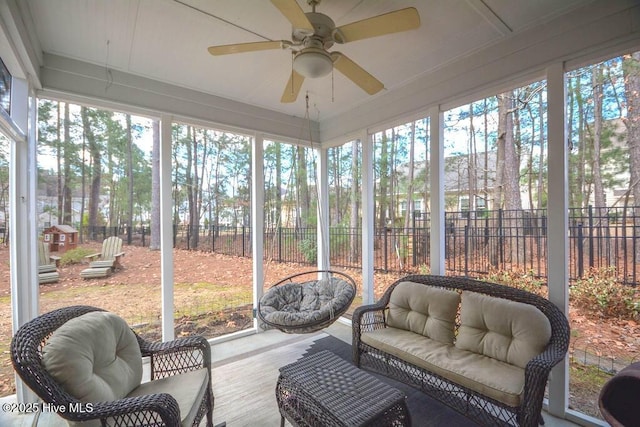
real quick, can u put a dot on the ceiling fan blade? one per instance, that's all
(292, 89)
(388, 23)
(294, 13)
(356, 73)
(247, 47)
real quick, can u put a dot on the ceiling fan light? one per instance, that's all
(313, 63)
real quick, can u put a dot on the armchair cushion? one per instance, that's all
(188, 389)
(94, 357)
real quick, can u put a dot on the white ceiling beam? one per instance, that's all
(69, 76)
(490, 16)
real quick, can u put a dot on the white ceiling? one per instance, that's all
(167, 40)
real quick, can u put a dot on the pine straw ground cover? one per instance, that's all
(213, 296)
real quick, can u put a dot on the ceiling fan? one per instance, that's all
(314, 33)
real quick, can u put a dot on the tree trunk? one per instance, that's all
(498, 190)
(190, 185)
(130, 179)
(68, 159)
(354, 253)
(581, 191)
(409, 199)
(278, 219)
(596, 80)
(511, 172)
(393, 199)
(95, 151)
(631, 68)
(541, 184)
(336, 185)
(383, 183)
(59, 155)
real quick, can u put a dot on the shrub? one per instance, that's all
(527, 281)
(600, 293)
(75, 256)
(309, 249)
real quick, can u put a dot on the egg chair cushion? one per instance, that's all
(305, 306)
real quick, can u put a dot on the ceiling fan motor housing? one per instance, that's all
(323, 30)
(313, 60)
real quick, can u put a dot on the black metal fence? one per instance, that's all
(476, 243)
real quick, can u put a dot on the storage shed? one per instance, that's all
(61, 238)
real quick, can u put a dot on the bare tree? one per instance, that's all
(631, 69)
(95, 151)
(130, 178)
(409, 198)
(69, 153)
(354, 253)
(302, 187)
(598, 188)
(59, 154)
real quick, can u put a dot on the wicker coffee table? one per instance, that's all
(325, 390)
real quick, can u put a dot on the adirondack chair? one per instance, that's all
(47, 264)
(104, 263)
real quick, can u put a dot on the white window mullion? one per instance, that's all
(558, 223)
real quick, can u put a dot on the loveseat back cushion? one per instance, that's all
(426, 310)
(509, 331)
(94, 357)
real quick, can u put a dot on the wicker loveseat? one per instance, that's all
(482, 348)
(87, 363)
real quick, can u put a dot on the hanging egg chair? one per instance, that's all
(303, 306)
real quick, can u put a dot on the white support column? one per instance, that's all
(22, 220)
(257, 220)
(558, 222)
(368, 219)
(322, 184)
(436, 185)
(166, 230)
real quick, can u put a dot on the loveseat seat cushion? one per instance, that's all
(493, 378)
(426, 310)
(188, 389)
(407, 345)
(508, 331)
(94, 357)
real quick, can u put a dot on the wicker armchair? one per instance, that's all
(172, 365)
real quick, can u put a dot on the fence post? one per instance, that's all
(279, 243)
(591, 254)
(415, 238)
(466, 250)
(385, 249)
(243, 239)
(500, 239)
(579, 251)
(634, 247)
